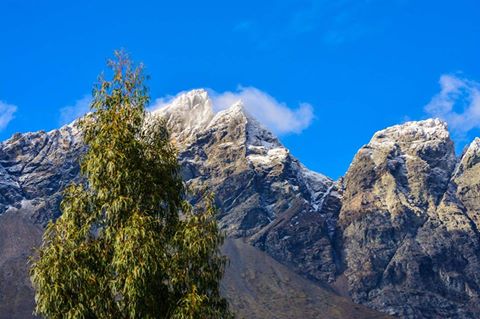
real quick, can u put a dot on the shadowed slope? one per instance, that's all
(259, 287)
(19, 236)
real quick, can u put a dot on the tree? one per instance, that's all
(127, 244)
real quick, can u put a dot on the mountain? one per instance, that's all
(398, 234)
(263, 192)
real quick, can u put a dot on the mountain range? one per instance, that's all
(397, 236)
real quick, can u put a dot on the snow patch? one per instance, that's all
(187, 114)
(317, 185)
(270, 157)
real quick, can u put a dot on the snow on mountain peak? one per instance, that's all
(195, 102)
(187, 114)
(430, 129)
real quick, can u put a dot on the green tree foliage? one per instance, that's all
(128, 245)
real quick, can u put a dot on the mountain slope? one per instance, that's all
(18, 236)
(259, 287)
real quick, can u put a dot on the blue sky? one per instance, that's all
(336, 71)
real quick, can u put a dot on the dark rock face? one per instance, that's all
(399, 232)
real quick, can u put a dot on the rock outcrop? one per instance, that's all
(410, 244)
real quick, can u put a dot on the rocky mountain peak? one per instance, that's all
(235, 112)
(255, 133)
(408, 219)
(238, 108)
(417, 158)
(197, 99)
(192, 113)
(265, 195)
(413, 132)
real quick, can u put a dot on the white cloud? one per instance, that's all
(72, 112)
(6, 113)
(458, 103)
(275, 115)
(161, 102)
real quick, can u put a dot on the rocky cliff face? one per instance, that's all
(410, 244)
(398, 234)
(35, 168)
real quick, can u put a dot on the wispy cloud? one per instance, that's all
(163, 101)
(72, 112)
(335, 22)
(243, 26)
(458, 103)
(340, 21)
(275, 115)
(7, 112)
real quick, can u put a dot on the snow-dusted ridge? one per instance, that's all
(192, 112)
